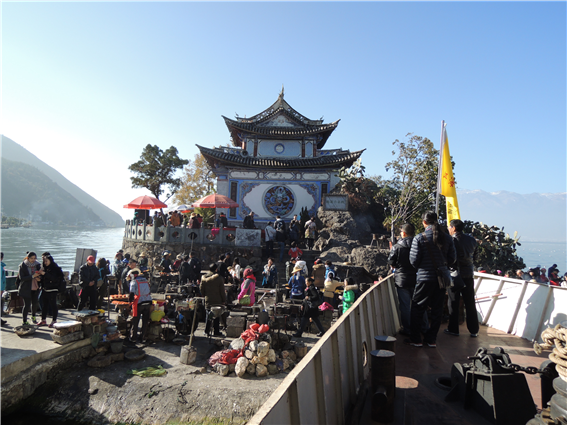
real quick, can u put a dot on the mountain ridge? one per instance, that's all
(12, 151)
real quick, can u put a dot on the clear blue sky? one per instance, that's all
(85, 86)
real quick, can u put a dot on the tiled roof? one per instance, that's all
(344, 158)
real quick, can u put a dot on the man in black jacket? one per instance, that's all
(249, 221)
(404, 275)
(194, 268)
(463, 278)
(88, 276)
(222, 268)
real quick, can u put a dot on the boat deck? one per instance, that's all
(420, 401)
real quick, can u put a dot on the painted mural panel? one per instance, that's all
(315, 176)
(268, 199)
(279, 148)
(279, 176)
(243, 174)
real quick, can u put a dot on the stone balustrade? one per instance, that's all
(203, 236)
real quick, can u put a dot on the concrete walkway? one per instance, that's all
(19, 353)
(420, 402)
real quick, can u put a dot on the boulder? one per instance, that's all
(255, 360)
(100, 361)
(261, 371)
(249, 354)
(292, 355)
(222, 369)
(253, 346)
(263, 360)
(240, 367)
(285, 354)
(251, 369)
(271, 356)
(232, 367)
(263, 349)
(237, 344)
(273, 369)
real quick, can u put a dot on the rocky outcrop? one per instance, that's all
(345, 237)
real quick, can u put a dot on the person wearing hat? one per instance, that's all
(297, 284)
(125, 278)
(177, 263)
(554, 279)
(166, 263)
(88, 276)
(143, 262)
(248, 286)
(141, 298)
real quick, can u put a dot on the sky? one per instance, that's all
(87, 85)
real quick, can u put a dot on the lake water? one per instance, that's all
(63, 242)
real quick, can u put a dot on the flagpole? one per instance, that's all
(439, 168)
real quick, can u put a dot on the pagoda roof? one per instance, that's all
(221, 155)
(296, 125)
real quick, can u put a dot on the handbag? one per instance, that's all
(443, 275)
(245, 300)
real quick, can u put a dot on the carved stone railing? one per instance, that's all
(204, 236)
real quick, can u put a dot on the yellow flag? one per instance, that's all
(448, 187)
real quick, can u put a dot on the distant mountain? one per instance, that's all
(27, 192)
(535, 216)
(80, 204)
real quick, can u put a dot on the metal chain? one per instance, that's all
(530, 370)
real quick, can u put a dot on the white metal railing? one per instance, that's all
(519, 307)
(324, 386)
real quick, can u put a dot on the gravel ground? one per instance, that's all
(186, 393)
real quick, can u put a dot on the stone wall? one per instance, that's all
(206, 253)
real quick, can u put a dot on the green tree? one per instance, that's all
(157, 168)
(496, 250)
(196, 181)
(361, 190)
(412, 189)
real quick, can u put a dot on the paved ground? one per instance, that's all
(420, 401)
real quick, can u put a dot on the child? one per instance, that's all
(348, 296)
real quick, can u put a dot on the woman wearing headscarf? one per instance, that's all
(29, 274)
(248, 286)
(50, 282)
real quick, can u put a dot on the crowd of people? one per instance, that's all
(433, 264)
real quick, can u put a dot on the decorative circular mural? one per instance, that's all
(279, 200)
(279, 148)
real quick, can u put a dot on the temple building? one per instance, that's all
(276, 164)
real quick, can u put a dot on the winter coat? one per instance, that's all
(405, 274)
(184, 272)
(465, 246)
(25, 279)
(420, 256)
(279, 225)
(249, 222)
(313, 300)
(269, 233)
(212, 288)
(52, 278)
(349, 297)
(330, 287)
(297, 284)
(88, 274)
(319, 275)
(248, 288)
(195, 266)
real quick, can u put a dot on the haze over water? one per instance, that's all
(63, 242)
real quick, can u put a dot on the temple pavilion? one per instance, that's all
(277, 163)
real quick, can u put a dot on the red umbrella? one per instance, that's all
(145, 203)
(215, 201)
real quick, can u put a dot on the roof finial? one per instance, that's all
(282, 92)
